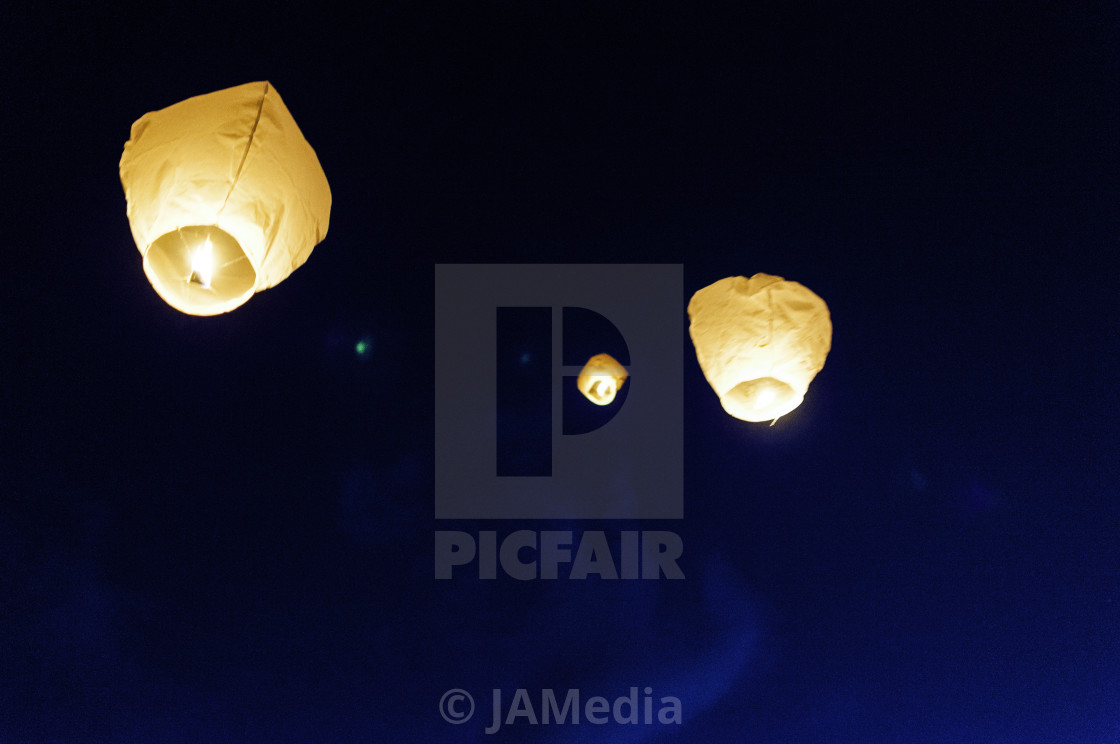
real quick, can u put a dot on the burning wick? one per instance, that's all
(202, 264)
(765, 398)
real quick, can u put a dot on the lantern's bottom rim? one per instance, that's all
(762, 399)
(170, 266)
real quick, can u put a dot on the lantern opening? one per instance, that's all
(602, 391)
(200, 269)
(763, 399)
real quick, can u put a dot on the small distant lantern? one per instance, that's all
(760, 342)
(225, 197)
(600, 379)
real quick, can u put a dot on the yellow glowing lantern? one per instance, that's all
(600, 379)
(225, 197)
(760, 342)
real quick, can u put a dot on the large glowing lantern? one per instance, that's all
(600, 379)
(760, 342)
(225, 197)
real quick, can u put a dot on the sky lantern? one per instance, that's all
(225, 197)
(600, 379)
(760, 342)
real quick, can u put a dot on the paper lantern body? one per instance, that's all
(232, 168)
(760, 342)
(600, 379)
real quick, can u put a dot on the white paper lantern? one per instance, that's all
(601, 379)
(225, 197)
(760, 342)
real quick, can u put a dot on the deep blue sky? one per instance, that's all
(221, 529)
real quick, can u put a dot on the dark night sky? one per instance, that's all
(221, 529)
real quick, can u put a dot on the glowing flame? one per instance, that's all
(202, 264)
(765, 398)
